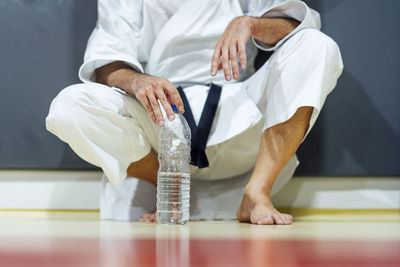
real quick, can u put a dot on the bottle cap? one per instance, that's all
(174, 108)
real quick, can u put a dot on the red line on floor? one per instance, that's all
(17, 252)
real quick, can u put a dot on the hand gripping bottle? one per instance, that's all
(173, 179)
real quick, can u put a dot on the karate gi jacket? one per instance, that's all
(175, 39)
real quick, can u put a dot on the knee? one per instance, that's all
(65, 110)
(320, 46)
(312, 50)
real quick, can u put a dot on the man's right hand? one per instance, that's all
(146, 88)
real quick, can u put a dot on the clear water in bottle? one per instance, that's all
(173, 180)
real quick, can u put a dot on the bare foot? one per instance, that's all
(148, 217)
(257, 208)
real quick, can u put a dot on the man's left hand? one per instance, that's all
(230, 46)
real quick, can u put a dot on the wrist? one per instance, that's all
(254, 23)
(135, 78)
(124, 78)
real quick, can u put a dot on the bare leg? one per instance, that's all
(146, 169)
(278, 145)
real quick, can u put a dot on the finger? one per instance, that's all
(225, 63)
(164, 102)
(215, 60)
(175, 97)
(146, 104)
(234, 62)
(156, 109)
(242, 55)
(219, 66)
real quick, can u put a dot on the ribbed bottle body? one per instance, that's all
(173, 180)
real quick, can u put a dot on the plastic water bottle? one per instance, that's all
(173, 180)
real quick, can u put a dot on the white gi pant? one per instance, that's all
(111, 129)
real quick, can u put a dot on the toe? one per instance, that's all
(147, 217)
(278, 218)
(153, 218)
(281, 220)
(260, 216)
(288, 219)
(143, 218)
(265, 220)
(254, 218)
(275, 218)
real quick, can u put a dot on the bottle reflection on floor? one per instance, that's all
(172, 245)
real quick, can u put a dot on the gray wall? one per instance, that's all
(358, 133)
(41, 48)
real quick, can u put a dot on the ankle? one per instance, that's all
(254, 188)
(256, 193)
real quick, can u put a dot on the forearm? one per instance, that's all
(147, 89)
(117, 74)
(272, 30)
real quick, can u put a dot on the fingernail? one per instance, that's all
(213, 73)
(235, 76)
(160, 123)
(228, 77)
(279, 221)
(171, 117)
(243, 66)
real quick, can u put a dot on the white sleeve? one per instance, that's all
(115, 37)
(294, 9)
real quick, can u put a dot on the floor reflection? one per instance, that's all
(172, 245)
(326, 240)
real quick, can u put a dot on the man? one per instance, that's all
(141, 51)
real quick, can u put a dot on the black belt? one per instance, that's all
(201, 132)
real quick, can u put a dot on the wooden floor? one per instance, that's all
(316, 238)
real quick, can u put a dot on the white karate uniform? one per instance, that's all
(175, 39)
